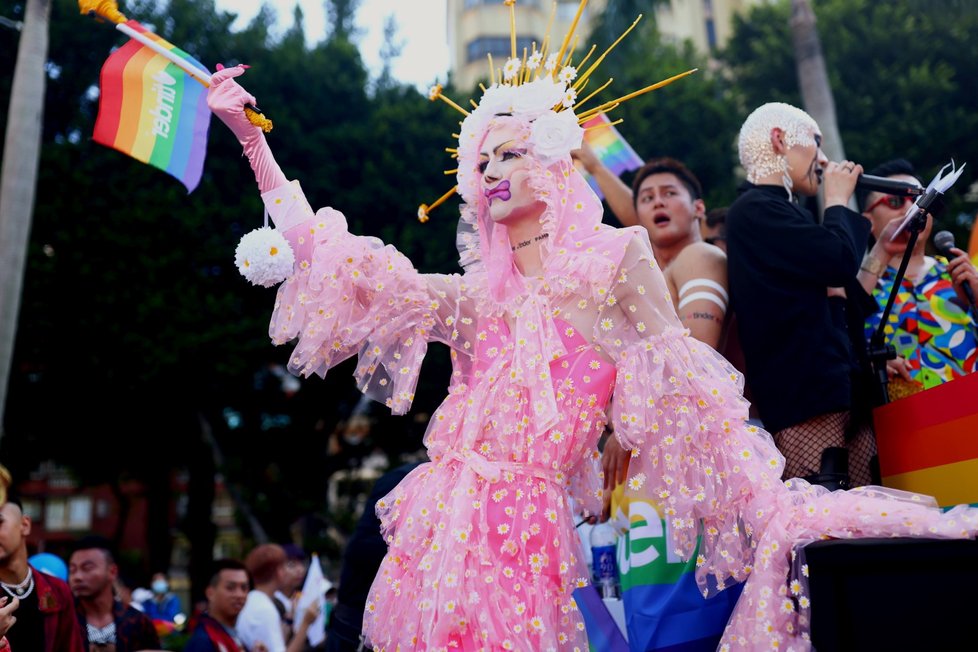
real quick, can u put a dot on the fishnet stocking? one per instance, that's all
(802, 447)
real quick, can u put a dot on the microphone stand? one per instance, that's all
(879, 351)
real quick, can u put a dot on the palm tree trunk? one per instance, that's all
(816, 93)
(18, 177)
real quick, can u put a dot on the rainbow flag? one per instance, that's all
(973, 242)
(927, 442)
(664, 609)
(603, 634)
(609, 146)
(152, 110)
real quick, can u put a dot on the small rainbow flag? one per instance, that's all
(152, 110)
(609, 146)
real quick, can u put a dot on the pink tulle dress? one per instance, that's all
(483, 554)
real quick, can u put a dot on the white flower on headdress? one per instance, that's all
(537, 97)
(534, 61)
(554, 135)
(551, 63)
(511, 68)
(567, 74)
(497, 99)
(570, 96)
(264, 257)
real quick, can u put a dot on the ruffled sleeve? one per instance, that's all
(355, 295)
(585, 485)
(679, 403)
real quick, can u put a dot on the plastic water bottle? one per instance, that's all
(604, 540)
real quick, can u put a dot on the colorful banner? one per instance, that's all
(610, 148)
(152, 110)
(664, 609)
(927, 442)
(603, 634)
(973, 242)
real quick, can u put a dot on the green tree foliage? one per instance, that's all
(133, 313)
(691, 119)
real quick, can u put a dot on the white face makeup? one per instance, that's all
(805, 164)
(505, 167)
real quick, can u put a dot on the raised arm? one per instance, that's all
(347, 294)
(616, 193)
(227, 99)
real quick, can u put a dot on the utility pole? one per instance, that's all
(18, 176)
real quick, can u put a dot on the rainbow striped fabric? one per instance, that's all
(152, 110)
(927, 442)
(610, 147)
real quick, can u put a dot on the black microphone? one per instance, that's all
(888, 186)
(944, 241)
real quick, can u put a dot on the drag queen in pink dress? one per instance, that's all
(557, 324)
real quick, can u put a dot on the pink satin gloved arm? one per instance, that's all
(227, 99)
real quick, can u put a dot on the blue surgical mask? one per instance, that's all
(160, 586)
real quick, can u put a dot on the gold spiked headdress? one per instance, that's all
(542, 85)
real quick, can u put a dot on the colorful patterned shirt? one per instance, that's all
(928, 326)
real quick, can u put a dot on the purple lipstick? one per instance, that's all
(501, 191)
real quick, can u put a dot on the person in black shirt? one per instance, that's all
(361, 559)
(792, 279)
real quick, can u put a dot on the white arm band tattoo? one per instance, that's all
(720, 298)
(703, 295)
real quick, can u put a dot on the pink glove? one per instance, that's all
(226, 98)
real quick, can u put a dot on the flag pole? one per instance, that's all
(109, 10)
(200, 75)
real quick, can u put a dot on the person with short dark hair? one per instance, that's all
(105, 622)
(713, 228)
(8, 605)
(46, 620)
(226, 593)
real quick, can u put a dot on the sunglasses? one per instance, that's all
(892, 201)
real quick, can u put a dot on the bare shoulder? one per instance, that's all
(699, 260)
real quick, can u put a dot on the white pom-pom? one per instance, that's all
(264, 257)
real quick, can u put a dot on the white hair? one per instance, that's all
(756, 152)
